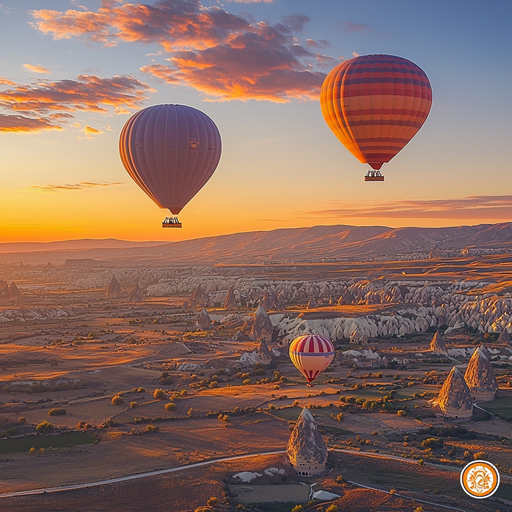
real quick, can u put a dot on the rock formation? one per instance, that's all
(454, 398)
(264, 354)
(199, 297)
(312, 304)
(480, 377)
(203, 320)
(229, 301)
(262, 328)
(306, 448)
(114, 288)
(437, 345)
(137, 294)
(14, 293)
(4, 290)
(504, 336)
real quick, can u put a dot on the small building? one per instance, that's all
(306, 448)
(454, 399)
(480, 377)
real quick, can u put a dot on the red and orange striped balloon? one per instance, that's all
(311, 355)
(375, 104)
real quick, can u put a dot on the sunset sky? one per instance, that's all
(72, 73)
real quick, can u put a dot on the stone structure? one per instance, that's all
(203, 320)
(4, 290)
(114, 288)
(437, 345)
(137, 294)
(306, 448)
(312, 304)
(504, 337)
(262, 328)
(264, 354)
(480, 377)
(199, 297)
(14, 293)
(229, 301)
(454, 399)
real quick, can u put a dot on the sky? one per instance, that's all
(72, 72)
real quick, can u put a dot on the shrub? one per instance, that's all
(479, 455)
(247, 381)
(214, 384)
(213, 501)
(421, 462)
(418, 509)
(432, 443)
(152, 428)
(134, 405)
(190, 412)
(159, 394)
(117, 400)
(341, 479)
(298, 508)
(332, 508)
(45, 427)
(57, 411)
(401, 412)
(225, 418)
(170, 406)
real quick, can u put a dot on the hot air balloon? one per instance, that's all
(375, 104)
(170, 151)
(311, 355)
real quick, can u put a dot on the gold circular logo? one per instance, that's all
(480, 479)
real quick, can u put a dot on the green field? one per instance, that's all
(23, 444)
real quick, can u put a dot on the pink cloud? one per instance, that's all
(348, 26)
(225, 56)
(36, 69)
(471, 208)
(49, 104)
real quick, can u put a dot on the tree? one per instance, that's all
(56, 411)
(401, 412)
(170, 406)
(332, 508)
(190, 412)
(213, 501)
(45, 427)
(298, 508)
(134, 405)
(117, 400)
(159, 394)
(418, 509)
(152, 428)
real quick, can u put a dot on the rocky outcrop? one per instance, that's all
(480, 377)
(264, 354)
(262, 328)
(437, 345)
(312, 304)
(113, 288)
(4, 290)
(199, 297)
(203, 320)
(229, 301)
(504, 337)
(14, 293)
(137, 294)
(454, 399)
(306, 448)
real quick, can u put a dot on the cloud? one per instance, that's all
(473, 207)
(223, 55)
(22, 124)
(348, 26)
(90, 132)
(49, 104)
(74, 186)
(4, 81)
(250, 1)
(37, 69)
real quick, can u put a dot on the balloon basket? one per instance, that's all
(373, 176)
(171, 222)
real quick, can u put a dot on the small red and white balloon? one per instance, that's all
(311, 354)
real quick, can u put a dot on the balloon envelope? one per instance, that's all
(311, 355)
(375, 104)
(170, 151)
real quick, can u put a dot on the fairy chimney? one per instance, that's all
(14, 293)
(114, 288)
(199, 297)
(4, 290)
(229, 301)
(137, 294)
(262, 327)
(264, 354)
(504, 336)
(312, 304)
(203, 320)
(454, 399)
(306, 448)
(480, 377)
(437, 345)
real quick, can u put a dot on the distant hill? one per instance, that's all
(281, 245)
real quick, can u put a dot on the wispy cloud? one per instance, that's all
(90, 132)
(223, 55)
(4, 81)
(49, 104)
(71, 186)
(471, 208)
(348, 26)
(37, 69)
